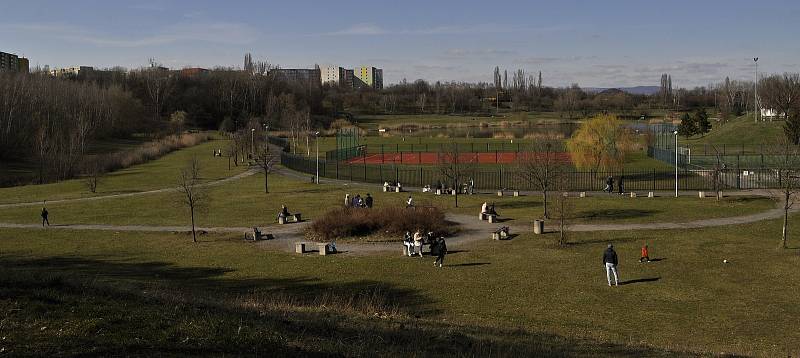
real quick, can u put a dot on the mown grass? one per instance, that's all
(66, 292)
(243, 203)
(742, 130)
(156, 174)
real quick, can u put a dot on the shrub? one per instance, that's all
(390, 221)
(147, 152)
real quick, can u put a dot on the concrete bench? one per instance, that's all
(501, 233)
(300, 247)
(499, 193)
(323, 248)
(583, 194)
(492, 218)
(297, 217)
(633, 194)
(251, 235)
(516, 193)
(650, 194)
(390, 189)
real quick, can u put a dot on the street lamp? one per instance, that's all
(266, 136)
(316, 142)
(756, 109)
(252, 140)
(676, 163)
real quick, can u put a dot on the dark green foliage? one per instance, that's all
(688, 126)
(792, 126)
(702, 124)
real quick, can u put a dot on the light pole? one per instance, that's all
(676, 163)
(252, 140)
(756, 110)
(316, 142)
(266, 136)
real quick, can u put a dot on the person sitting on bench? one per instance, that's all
(284, 212)
(256, 233)
(484, 208)
(490, 210)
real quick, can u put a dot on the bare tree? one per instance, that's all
(265, 160)
(159, 85)
(541, 169)
(786, 164)
(718, 173)
(454, 167)
(93, 173)
(193, 195)
(564, 210)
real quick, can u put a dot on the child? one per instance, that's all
(645, 256)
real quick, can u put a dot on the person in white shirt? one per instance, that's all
(410, 202)
(418, 243)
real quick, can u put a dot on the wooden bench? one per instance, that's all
(296, 217)
(492, 218)
(501, 233)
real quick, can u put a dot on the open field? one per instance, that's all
(153, 175)
(521, 297)
(739, 131)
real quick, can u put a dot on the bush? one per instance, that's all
(146, 152)
(389, 221)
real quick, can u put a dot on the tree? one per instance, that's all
(541, 169)
(688, 126)
(193, 195)
(600, 143)
(265, 160)
(177, 120)
(93, 172)
(564, 210)
(454, 168)
(701, 121)
(782, 94)
(786, 164)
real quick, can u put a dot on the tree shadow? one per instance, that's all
(157, 308)
(658, 259)
(614, 214)
(639, 280)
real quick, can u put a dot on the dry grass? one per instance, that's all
(148, 151)
(389, 221)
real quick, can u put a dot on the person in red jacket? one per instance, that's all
(645, 256)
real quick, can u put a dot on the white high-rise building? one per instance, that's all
(331, 74)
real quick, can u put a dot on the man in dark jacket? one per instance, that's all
(610, 262)
(45, 215)
(441, 250)
(368, 201)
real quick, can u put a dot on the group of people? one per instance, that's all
(610, 185)
(414, 243)
(217, 152)
(284, 212)
(610, 261)
(358, 202)
(488, 209)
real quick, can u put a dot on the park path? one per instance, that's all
(241, 175)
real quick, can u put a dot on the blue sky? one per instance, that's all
(593, 43)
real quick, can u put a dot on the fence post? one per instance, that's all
(420, 177)
(396, 174)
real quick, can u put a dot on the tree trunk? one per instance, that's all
(266, 182)
(194, 234)
(544, 200)
(785, 232)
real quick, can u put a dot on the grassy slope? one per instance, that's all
(742, 130)
(70, 292)
(243, 203)
(156, 174)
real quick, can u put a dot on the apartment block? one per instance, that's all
(9, 62)
(298, 75)
(369, 76)
(71, 71)
(331, 74)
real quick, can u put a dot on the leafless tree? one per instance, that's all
(159, 84)
(266, 160)
(192, 195)
(541, 169)
(93, 174)
(718, 173)
(564, 210)
(455, 167)
(786, 164)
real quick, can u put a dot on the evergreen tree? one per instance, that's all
(702, 124)
(791, 128)
(688, 127)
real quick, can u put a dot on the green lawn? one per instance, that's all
(66, 292)
(243, 203)
(740, 131)
(157, 174)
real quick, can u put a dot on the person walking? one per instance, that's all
(610, 261)
(45, 215)
(441, 250)
(418, 243)
(621, 186)
(410, 202)
(645, 255)
(408, 242)
(368, 201)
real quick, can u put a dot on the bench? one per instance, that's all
(296, 217)
(300, 247)
(501, 233)
(516, 193)
(323, 248)
(257, 235)
(492, 218)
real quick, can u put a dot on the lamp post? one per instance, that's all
(756, 109)
(676, 163)
(316, 143)
(252, 140)
(266, 136)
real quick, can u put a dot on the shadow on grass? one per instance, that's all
(615, 214)
(79, 306)
(470, 264)
(640, 280)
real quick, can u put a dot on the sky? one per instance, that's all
(600, 43)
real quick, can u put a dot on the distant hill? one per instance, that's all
(632, 90)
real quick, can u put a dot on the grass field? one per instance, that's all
(740, 131)
(156, 174)
(146, 293)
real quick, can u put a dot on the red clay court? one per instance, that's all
(436, 158)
